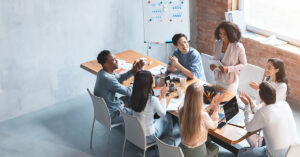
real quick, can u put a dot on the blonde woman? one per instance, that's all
(194, 122)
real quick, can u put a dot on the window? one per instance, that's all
(279, 17)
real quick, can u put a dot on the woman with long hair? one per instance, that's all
(144, 105)
(194, 122)
(275, 75)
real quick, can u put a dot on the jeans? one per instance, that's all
(116, 116)
(253, 152)
(163, 126)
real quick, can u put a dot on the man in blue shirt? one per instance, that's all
(109, 83)
(186, 59)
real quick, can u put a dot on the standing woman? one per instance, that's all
(231, 53)
(194, 122)
(144, 105)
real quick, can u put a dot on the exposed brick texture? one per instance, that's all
(211, 13)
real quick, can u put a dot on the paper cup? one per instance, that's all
(180, 91)
(182, 82)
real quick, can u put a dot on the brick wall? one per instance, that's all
(211, 13)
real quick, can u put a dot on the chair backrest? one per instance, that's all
(134, 131)
(210, 76)
(101, 113)
(293, 151)
(248, 74)
(166, 150)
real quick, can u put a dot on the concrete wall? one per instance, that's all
(42, 44)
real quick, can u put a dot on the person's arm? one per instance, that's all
(242, 60)
(184, 70)
(175, 63)
(256, 123)
(281, 92)
(125, 76)
(171, 67)
(214, 102)
(214, 52)
(196, 67)
(159, 106)
(210, 122)
(117, 87)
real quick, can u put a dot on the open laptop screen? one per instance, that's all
(231, 108)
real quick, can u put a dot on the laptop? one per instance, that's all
(231, 109)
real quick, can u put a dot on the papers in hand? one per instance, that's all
(216, 63)
(156, 70)
(175, 103)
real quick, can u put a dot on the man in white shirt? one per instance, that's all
(275, 119)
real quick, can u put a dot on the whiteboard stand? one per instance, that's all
(148, 47)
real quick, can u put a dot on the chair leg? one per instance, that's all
(91, 140)
(123, 147)
(108, 144)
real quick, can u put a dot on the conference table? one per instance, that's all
(228, 136)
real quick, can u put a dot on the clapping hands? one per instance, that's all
(137, 66)
(173, 60)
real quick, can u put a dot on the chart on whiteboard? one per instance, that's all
(163, 18)
(165, 11)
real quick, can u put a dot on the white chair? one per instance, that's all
(248, 74)
(293, 151)
(210, 76)
(101, 114)
(135, 133)
(166, 150)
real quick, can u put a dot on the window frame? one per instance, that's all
(264, 32)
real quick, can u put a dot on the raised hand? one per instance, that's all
(164, 91)
(254, 85)
(137, 66)
(216, 101)
(243, 98)
(173, 60)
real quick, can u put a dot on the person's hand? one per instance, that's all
(243, 98)
(212, 67)
(216, 101)
(137, 66)
(254, 85)
(249, 100)
(173, 60)
(164, 91)
(224, 69)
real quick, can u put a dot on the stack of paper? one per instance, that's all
(175, 103)
(156, 70)
(123, 66)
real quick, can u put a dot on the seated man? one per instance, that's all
(275, 119)
(108, 83)
(186, 59)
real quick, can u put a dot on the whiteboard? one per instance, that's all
(164, 18)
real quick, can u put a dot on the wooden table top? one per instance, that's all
(228, 133)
